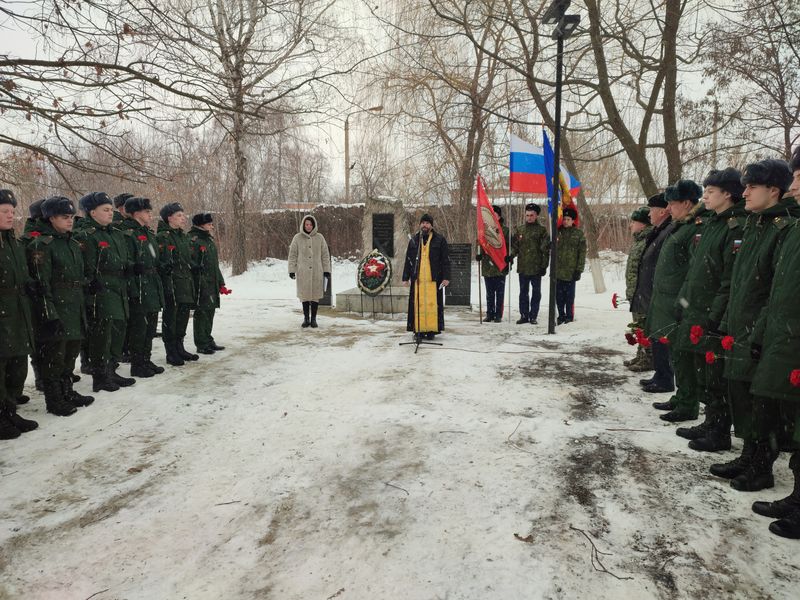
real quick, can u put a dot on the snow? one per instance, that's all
(334, 463)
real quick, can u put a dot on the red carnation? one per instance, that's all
(35, 234)
(695, 333)
(663, 340)
(630, 338)
(103, 244)
(727, 342)
(711, 358)
(202, 248)
(794, 378)
(614, 302)
(170, 248)
(645, 342)
(142, 238)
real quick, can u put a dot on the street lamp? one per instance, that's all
(565, 26)
(347, 166)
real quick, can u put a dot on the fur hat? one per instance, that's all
(683, 189)
(202, 219)
(641, 215)
(57, 205)
(794, 164)
(169, 210)
(426, 218)
(570, 212)
(94, 199)
(7, 197)
(770, 172)
(657, 201)
(135, 204)
(729, 179)
(35, 209)
(534, 207)
(121, 199)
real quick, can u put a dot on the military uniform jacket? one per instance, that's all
(105, 258)
(670, 273)
(209, 278)
(145, 291)
(56, 261)
(31, 225)
(530, 245)
(571, 257)
(176, 264)
(778, 328)
(488, 268)
(647, 267)
(751, 283)
(16, 333)
(634, 258)
(707, 287)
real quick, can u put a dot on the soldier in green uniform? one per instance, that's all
(673, 264)
(702, 302)
(176, 276)
(16, 334)
(640, 228)
(120, 214)
(145, 292)
(106, 265)
(493, 278)
(208, 282)
(119, 328)
(770, 219)
(33, 223)
(530, 246)
(55, 261)
(571, 260)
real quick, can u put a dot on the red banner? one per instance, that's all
(490, 233)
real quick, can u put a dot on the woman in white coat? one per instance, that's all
(310, 267)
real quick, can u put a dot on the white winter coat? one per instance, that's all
(309, 258)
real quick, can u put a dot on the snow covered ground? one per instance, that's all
(334, 463)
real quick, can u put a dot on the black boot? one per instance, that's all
(23, 399)
(37, 375)
(119, 379)
(522, 319)
(735, 467)
(24, 425)
(7, 429)
(693, 433)
(173, 358)
(758, 474)
(206, 350)
(183, 353)
(788, 526)
(72, 396)
(664, 405)
(139, 367)
(314, 306)
(678, 415)
(717, 437)
(101, 381)
(55, 401)
(306, 320)
(154, 367)
(75, 377)
(215, 347)
(785, 506)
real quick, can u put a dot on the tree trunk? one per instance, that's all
(672, 148)
(239, 225)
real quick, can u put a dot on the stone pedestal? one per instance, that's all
(392, 300)
(385, 227)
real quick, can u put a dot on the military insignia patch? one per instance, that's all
(736, 245)
(697, 237)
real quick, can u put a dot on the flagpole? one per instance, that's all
(551, 324)
(480, 293)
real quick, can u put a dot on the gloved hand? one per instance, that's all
(138, 269)
(291, 275)
(53, 328)
(95, 287)
(34, 288)
(755, 351)
(576, 276)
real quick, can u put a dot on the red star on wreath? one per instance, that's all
(374, 268)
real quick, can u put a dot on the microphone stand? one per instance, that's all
(418, 341)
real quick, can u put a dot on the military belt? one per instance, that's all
(68, 284)
(10, 291)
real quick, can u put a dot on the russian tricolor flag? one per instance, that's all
(531, 173)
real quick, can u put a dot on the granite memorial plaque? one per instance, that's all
(459, 290)
(383, 233)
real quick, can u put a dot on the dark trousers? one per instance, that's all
(119, 338)
(174, 321)
(495, 293)
(202, 324)
(687, 398)
(141, 331)
(755, 418)
(56, 358)
(98, 343)
(663, 377)
(13, 371)
(714, 388)
(565, 299)
(530, 295)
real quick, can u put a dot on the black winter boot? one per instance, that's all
(139, 367)
(154, 367)
(37, 375)
(55, 401)
(788, 526)
(75, 377)
(72, 396)
(101, 381)
(693, 433)
(314, 306)
(24, 425)
(173, 358)
(664, 405)
(717, 437)
(119, 379)
(732, 468)
(306, 320)
(522, 319)
(784, 507)
(758, 474)
(23, 399)
(183, 353)
(7, 429)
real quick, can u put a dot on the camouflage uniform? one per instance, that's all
(530, 246)
(643, 360)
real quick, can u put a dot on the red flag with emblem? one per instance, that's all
(490, 233)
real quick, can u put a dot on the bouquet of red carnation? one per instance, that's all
(695, 333)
